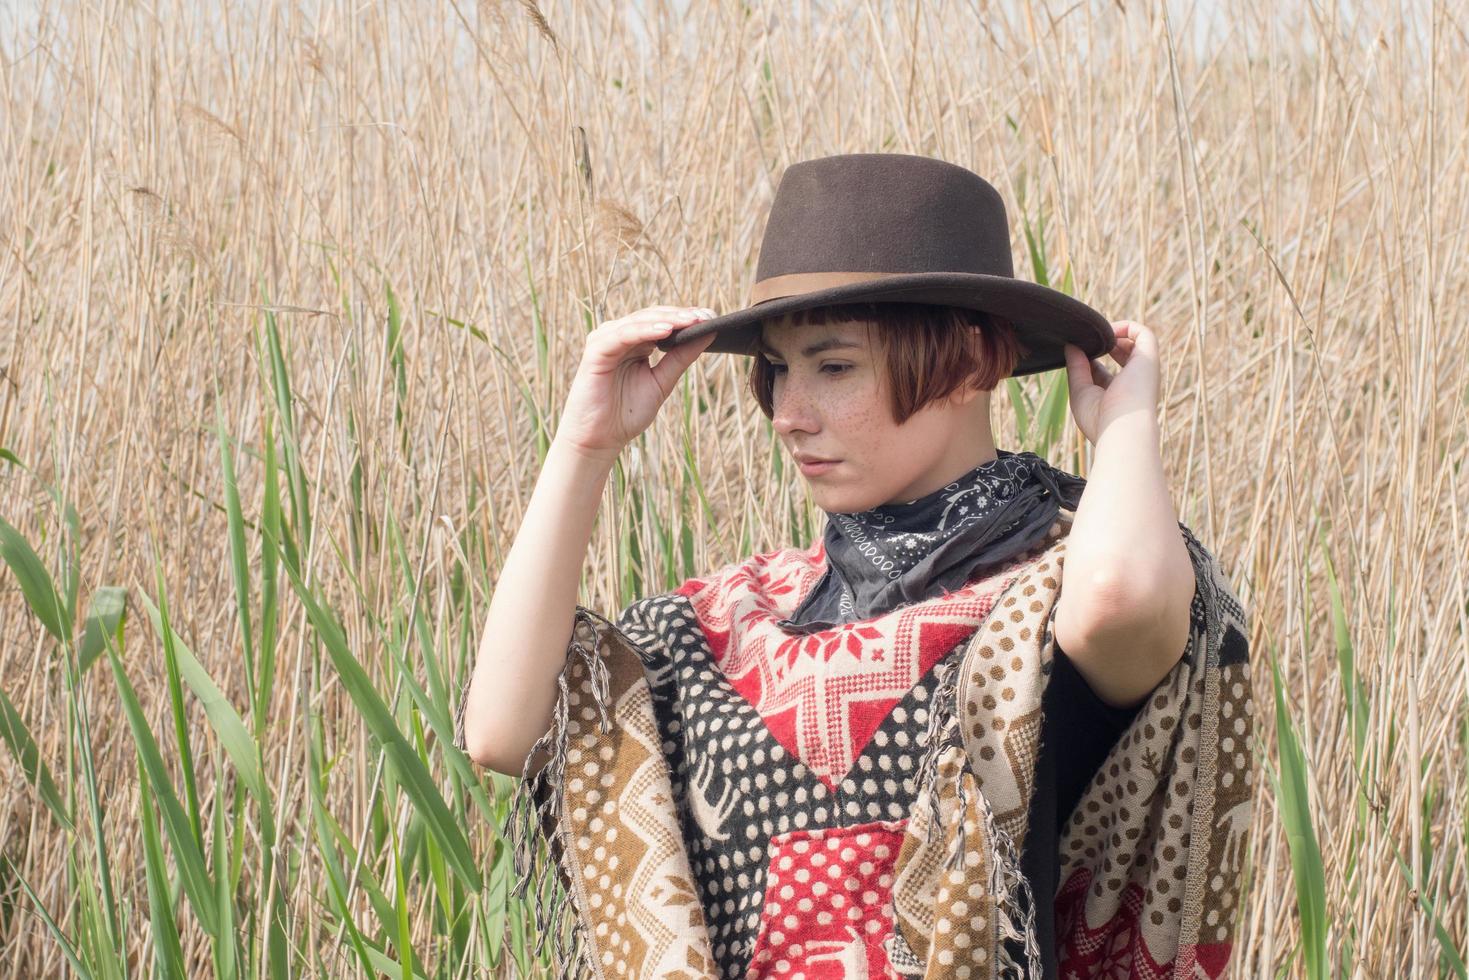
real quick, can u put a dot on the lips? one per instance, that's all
(813, 468)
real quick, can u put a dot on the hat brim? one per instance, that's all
(1045, 319)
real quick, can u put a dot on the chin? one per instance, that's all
(840, 502)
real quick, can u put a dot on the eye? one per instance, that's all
(838, 369)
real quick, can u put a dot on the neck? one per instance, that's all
(972, 445)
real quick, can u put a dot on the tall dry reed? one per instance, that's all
(290, 296)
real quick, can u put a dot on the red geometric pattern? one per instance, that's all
(827, 908)
(822, 695)
(1115, 950)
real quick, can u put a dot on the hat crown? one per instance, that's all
(889, 213)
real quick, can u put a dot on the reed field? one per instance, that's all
(290, 296)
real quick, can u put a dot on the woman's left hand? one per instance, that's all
(1100, 396)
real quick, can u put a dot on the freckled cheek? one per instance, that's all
(859, 424)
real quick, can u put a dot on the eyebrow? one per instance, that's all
(830, 343)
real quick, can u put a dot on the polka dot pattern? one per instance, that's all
(827, 909)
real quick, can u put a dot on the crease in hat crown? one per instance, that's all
(898, 227)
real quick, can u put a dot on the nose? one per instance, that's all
(792, 406)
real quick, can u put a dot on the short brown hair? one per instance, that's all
(937, 354)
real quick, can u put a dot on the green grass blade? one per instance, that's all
(430, 704)
(400, 369)
(1020, 402)
(182, 732)
(62, 941)
(330, 836)
(280, 378)
(16, 735)
(239, 553)
(79, 719)
(187, 853)
(70, 564)
(1300, 832)
(404, 940)
(105, 616)
(270, 523)
(226, 950)
(233, 736)
(379, 720)
(168, 955)
(1035, 247)
(383, 963)
(1353, 691)
(35, 583)
(1449, 954)
(1051, 419)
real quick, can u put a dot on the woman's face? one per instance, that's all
(831, 402)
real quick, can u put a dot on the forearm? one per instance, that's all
(528, 627)
(1125, 544)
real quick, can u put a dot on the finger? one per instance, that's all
(659, 314)
(1077, 372)
(663, 326)
(664, 311)
(1101, 377)
(675, 361)
(1138, 337)
(678, 314)
(609, 348)
(631, 337)
(1145, 344)
(678, 318)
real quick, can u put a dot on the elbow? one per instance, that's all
(476, 738)
(1108, 602)
(500, 755)
(490, 754)
(496, 764)
(1121, 604)
(481, 754)
(493, 741)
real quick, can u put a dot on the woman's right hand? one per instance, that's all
(616, 392)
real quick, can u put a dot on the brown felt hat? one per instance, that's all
(898, 228)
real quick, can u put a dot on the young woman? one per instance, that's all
(769, 749)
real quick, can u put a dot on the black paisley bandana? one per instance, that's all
(895, 554)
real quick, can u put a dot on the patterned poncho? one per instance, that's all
(723, 799)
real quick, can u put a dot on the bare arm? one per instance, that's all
(523, 644)
(1123, 613)
(1127, 625)
(522, 648)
